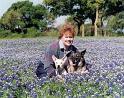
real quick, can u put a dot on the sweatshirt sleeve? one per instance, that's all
(48, 57)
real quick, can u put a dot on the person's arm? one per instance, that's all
(46, 65)
(48, 57)
(49, 64)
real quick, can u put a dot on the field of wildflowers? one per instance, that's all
(19, 59)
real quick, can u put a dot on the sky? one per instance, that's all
(5, 4)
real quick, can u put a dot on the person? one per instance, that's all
(59, 48)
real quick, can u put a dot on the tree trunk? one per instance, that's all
(92, 27)
(105, 33)
(79, 26)
(96, 21)
(82, 30)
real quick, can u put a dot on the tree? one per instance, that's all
(98, 9)
(95, 13)
(75, 9)
(113, 6)
(111, 9)
(10, 19)
(116, 23)
(80, 10)
(23, 15)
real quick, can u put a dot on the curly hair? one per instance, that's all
(67, 27)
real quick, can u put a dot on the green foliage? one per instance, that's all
(76, 8)
(23, 15)
(52, 32)
(32, 32)
(83, 9)
(89, 29)
(116, 23)
(120, 20)
(20, 92)
(113, 6)
(10, 19)
(95, 3)
(9, 34)
(4, 33)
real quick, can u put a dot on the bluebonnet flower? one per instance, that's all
(105, 58)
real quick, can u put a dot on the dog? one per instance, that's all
(59, 65)
(77, 62)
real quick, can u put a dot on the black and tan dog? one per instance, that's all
(77, 62)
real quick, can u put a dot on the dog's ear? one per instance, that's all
(53, 64)
(54, 58)
(69, 53)
(83, 52)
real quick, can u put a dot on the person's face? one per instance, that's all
(67, 39)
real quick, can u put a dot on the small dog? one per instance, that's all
(59, 64)
(77, 62)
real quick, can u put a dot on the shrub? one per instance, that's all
(52, 32)
(32, 32)
(5, 33)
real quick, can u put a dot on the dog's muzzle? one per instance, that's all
(58, 67)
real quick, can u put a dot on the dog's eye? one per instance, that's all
(77, 55)
(56, 62)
